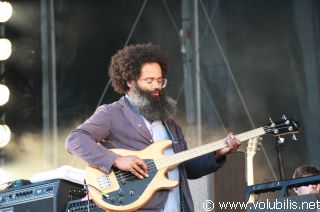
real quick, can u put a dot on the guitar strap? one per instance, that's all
(176, 148)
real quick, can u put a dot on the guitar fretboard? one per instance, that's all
(202, 150)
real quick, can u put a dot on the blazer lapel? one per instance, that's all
(175, 143)
(136, 120)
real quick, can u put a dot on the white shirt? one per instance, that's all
(159, 132)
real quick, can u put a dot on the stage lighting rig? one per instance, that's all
(4, 94)
(5, 48)
(5, 135)
(5, 11)
(5, 52)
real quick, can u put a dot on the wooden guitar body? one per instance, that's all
(122, 191)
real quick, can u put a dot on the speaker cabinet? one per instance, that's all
(82, 206)
(47, 196)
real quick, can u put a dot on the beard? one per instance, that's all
(153, 107)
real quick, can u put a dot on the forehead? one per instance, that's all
(151, 70)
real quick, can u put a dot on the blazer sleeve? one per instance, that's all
(203, 165)
(84, 140)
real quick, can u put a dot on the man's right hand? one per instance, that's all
(132, 164)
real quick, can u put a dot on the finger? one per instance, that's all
(233, 138)
(231, 135)
(142, 165)
(135, 173)
(138, 172)
(232, 145)
(237, 142)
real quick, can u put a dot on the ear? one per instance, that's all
(296, 190)
(129, 83)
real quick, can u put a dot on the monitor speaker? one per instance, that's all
(47, 196)
(81, 205)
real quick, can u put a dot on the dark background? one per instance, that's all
(270, 66)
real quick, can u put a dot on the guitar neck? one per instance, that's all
(180, 157)
(250, 177)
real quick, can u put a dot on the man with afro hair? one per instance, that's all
(143, 116)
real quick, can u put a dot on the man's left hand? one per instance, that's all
(233, 145)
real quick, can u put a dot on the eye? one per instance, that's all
(149, 81)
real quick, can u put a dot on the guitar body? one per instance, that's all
(122, 191)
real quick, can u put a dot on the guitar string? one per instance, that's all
(152, 167)
(220, 143)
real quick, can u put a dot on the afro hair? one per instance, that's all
(126, 64)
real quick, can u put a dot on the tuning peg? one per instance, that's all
(272, 123)
(294, 137)
(284, 117)
(280, 140)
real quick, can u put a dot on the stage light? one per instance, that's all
(5, 11)
(5, 49)
(5, 135)
(4, 94)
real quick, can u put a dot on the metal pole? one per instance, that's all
(196, 51)
(49, 93)
(187, 56)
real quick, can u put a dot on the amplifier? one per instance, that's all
(82, 206)
(47, 196)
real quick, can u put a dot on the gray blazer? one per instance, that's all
(118, 125)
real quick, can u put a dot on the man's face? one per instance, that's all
(147, 96)
(309, 189)
(150, 79)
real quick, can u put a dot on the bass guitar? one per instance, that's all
(123, 191)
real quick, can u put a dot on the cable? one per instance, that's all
(86, 190)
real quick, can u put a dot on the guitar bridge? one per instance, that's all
(104, 182)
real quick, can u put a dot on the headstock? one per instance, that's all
(253, 146)
(283, 127)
